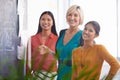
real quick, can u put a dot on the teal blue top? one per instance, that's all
(64, 52)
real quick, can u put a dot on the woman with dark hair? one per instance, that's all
(43, 63)
(87, 60)
(53, 29)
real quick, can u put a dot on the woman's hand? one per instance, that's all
(43, 49)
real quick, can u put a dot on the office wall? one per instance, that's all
(8, 37)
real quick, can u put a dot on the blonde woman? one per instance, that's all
(68, 40)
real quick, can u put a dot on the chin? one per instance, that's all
(85, 39)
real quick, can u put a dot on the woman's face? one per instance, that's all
(89, 32)
(73, 19)
(46, 22)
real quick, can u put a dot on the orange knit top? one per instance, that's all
(87, 63)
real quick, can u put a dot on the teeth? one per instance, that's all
(71, 21)
(85, 35)
(45, 25)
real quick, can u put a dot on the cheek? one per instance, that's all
(77, 21)
(41, 22)
(51, 23)
(67, 18)
(93, 36)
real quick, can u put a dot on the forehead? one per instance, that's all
(89, 26)
(73, 12)
(46, 15)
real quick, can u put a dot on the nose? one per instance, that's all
(86, 31)
(72, 16)
(45, 21)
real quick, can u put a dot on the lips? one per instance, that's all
(71, 21)
(45, 25)
(85, 36)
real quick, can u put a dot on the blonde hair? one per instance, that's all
(76, 8)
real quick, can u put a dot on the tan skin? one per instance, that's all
(73, 20)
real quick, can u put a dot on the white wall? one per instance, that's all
(35, 8)
(118, 28)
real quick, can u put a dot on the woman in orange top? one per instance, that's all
(88, 60)
(43, 65)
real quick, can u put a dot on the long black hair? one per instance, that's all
(53, 29)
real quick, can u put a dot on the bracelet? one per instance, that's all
(51, 52)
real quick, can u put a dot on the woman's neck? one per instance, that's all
(72, 30)
(88, 44)
(46, 33)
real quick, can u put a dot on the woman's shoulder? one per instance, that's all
(100, 46)
(35, 36)
(81, 30)
(54, 36)
(63, 30)
(77, 49)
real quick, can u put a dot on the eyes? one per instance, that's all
(89, 29)
(75, 15)
(46, 19)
